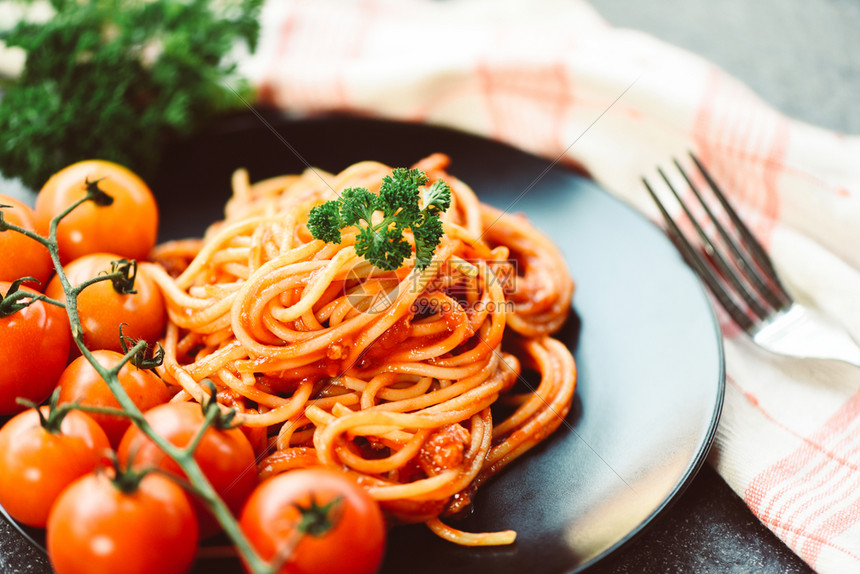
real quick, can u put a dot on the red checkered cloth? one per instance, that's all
(551, 77)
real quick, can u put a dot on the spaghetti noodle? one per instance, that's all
(399, 378)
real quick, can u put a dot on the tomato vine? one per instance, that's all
(122, 275)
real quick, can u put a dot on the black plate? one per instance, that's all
(645, 339)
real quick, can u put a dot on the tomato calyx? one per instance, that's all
(317, 520)
(54, 419)
(15, 299)
(122, 275)
(314, 520)
(96, 194)
(146, 357)
(214, 413)
(125, 478)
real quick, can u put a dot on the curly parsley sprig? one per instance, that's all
(404, 203)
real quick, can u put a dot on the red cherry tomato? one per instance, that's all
(81, 383)
(23, 256)
(96, 528)
(128, 226)
(102, 309)
(37, 465)
(354, 542)
(34, 345)
(224, 456)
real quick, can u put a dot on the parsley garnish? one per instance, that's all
(118, 79)
(382, 243)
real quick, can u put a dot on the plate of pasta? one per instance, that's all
(516, 366)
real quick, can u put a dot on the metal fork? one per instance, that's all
(739, 273)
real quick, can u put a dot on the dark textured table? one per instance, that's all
(803, 56)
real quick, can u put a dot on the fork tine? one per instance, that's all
(777, 297)
(746, 266)
(724, 267)
(701, 267)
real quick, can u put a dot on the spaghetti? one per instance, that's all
(408, 380)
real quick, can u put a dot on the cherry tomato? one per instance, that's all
(224, 456)
(257, 436)
(81, 383)
(128, 226)
(102, 309)
(354, 542)
(34, 346)
(23, 256)
(96, 528)
(37, 465)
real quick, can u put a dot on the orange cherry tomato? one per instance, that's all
(21, 255)
(37, 465)
(34, 346)
(81, 383)
(96, 528)
(224, 456)
(349, 537)
(102, 309)
(128, 226)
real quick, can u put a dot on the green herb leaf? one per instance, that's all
(438, 197)
(325, 219)
(427, 232)
(382, 243)
(118, 79)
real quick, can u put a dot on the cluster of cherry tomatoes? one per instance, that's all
(54, 470)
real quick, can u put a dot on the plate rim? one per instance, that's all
(697, 462)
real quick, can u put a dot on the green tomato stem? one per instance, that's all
(31, 234)
(99, 279)
(207, 422)
(95, 410)
(184, 457)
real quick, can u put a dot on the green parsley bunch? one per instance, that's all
(116, 79)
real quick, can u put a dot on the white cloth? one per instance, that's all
(551, 77)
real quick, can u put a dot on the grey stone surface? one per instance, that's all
(802, 56)
(17, 556)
